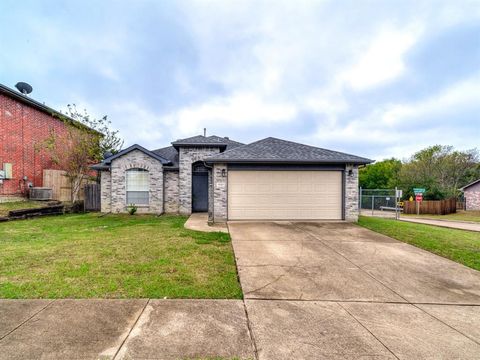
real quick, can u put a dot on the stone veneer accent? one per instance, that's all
(220, 194)
(472, 197)
(136, 159)
(351, 193)
(210, 196)
(171, 192)
(187, 156)
(105, 192)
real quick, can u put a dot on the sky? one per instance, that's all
(372, 78)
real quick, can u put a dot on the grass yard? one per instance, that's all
(458, 245)
(17, 205)
(114, 256)
(458, 216)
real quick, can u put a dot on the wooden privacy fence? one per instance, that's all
(434, 207)
(92, 197)
(59, 183)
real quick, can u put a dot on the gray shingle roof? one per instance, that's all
(169, 153)
(277, 150)
(212, 140)
(105, 164)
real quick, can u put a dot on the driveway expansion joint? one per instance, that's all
(28, 319)
(443, 322)
(367, 329)
(250, 330)
(351, 262)
(130, 331)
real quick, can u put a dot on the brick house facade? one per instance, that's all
(25, 124)
(282, 180)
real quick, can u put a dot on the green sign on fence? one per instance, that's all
(418, 191)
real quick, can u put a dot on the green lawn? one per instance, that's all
(459, 216)
(114, 256)
(458, 245)
(17, 205)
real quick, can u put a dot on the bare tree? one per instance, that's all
(110, 141)
(74, 151)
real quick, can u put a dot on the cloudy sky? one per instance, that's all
(376, 79)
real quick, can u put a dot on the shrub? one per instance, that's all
(132, 209)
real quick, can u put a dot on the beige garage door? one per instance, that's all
(284, 195)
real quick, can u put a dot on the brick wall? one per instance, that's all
(105, 192)
(171, 192)
(23, 131)
(187, 156)
(136, 159)
(472, 197)
(219, 187)
(351, 193)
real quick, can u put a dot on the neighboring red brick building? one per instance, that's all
(25, 124)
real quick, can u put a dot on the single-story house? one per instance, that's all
(269, 179)
(471, 194)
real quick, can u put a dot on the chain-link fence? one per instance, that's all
(380, 202)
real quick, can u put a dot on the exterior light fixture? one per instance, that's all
(350, 172)
(224, 173)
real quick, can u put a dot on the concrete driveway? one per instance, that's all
(336, 290)
(312, 291)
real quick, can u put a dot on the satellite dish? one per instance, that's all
(107, 154)
(24, 88)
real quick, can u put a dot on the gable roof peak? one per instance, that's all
(470, 184)
(105, 164)
(200, 140)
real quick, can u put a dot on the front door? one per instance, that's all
(200, 191)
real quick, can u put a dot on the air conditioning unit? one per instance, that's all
(41, 193)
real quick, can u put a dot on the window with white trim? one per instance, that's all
(138, 186)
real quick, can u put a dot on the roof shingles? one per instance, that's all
(269, 150)
(171, 153)
(277, 150)
(206, 140)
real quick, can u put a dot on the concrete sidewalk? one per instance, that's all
(124, 329)
(226, 329)
(461, 225)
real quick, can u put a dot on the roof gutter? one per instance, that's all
(218, 145)
(267, 161)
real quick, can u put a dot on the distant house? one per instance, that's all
(472, 195)
(25, 124)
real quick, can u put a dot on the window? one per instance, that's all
(138, 186)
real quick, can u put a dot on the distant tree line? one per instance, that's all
(440, 169)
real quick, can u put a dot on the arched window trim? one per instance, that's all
(137, 186)
(199, 166)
